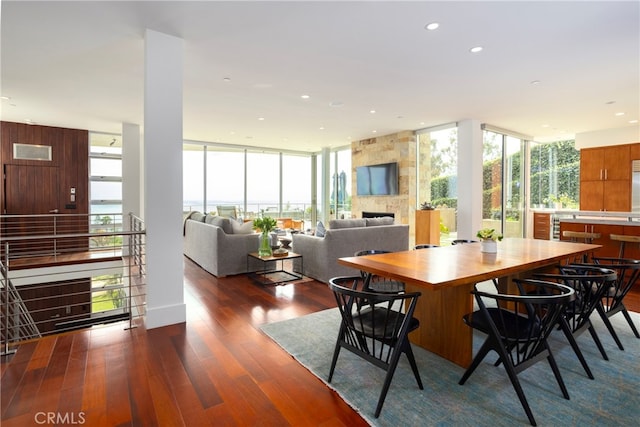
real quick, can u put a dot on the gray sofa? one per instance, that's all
(219, 245)
(343, 238)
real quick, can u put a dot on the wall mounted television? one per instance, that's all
(377, 180)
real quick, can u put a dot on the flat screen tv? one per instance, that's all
(377, 180)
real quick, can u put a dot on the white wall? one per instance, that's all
(599, 138)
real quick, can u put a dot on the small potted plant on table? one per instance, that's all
(265, 225)
(488, 240)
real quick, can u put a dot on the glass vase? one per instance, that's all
(265, 245)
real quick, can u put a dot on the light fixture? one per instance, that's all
(226, 79)
(372, 111)
(620, 113)
(476, 49)
(633, 121)
(261, 118)
(432, 26)
(535, 82)
(5, 97)
(304, 96)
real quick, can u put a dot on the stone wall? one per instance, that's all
(401, 148)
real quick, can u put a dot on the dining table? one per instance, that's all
(446, 275)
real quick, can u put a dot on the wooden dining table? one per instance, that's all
(446, 276)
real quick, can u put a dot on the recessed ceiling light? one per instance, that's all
(5, 97)
(476, 49)
(400, 117)
(374, 131)
(304, 96)
(335, 104)
(610, 102)
(372, 111)
(432, 26)
(545, 126)
(260, 118)
(620, 113)
(321, 128)
(535, 82)
(226, 79)
(633, 121)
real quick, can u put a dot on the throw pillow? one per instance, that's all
(197, 216)
(384, 220)
(320, 230)
(346, 223)
(224, 223)
(241, 227)
(209, 218)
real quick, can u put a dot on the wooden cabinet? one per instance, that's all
(541, 226)
(428, 227)
(605, 178)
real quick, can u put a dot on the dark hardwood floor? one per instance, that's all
(217, 369)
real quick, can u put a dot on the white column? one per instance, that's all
(469, 178)
(163, 179)
(325, 185)
(131, 169)
(131, 176)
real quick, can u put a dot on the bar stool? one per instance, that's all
(575, 236)
(624, 239)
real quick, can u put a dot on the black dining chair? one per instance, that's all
(375, 283)
(517, 327)
(375, 326)
(425, 246)
(462, 241)
(612, 302)
(590, 282)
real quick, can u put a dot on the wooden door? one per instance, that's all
(591, 195)
(617, 196)
(592, 164)
(30, 190)
(617, 163)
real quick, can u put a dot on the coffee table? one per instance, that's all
(266, 276)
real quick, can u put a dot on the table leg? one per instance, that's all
(442, 330)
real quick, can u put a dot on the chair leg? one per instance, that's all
(596, 339)
(393, 363)
(406, 348)
(513, 376)
(556, 373)
(336, 352)
(484, 350)
(626, 315)
(607, 323)
(574, 345)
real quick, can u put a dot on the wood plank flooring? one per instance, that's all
(217, 369)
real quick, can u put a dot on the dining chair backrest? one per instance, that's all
(376, 283)
(375, 326)
(517, 328)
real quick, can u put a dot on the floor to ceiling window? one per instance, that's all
(437, 174)
(247, 181)
(105, 170)
(503, 183)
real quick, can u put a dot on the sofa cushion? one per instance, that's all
(224, 223)
(346, 223)
(241, 227)
(320, 230)
(209, 217)
(384, 220)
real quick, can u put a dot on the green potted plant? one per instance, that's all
(265, 225)
(488, 239)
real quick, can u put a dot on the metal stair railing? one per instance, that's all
(15, 321)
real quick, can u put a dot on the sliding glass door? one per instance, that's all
(503, 184)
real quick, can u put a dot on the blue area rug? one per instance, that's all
(487, 398)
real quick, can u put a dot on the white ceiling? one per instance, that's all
(80, 65)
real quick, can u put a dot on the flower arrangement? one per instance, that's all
(489, 234)
(264, 224)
